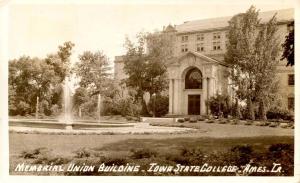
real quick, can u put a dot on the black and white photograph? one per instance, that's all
(149, 88)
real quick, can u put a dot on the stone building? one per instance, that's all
(198, 71)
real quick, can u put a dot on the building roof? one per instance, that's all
(222, 22)
(196, 54)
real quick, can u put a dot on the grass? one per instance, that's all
(62, 149)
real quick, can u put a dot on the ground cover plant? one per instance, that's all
(144, 150)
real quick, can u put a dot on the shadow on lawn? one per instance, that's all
(256, 152)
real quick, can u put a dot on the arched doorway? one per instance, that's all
(193, 81)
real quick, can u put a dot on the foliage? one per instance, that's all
(128, 107)
(279, 113)
(93, 71)
(253, 52)
(60, 61)
(144, 63)
(219, 104)
(80, 97)
(161, 106)
(143, 153)
(82, 153)
(288, 47)
(30, 78)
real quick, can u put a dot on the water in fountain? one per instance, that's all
(99, 107)
(67, 105)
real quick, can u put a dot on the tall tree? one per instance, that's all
(267, 49)
(60, 61)
(145, 63)
(93, 72)
(288, 47)
(30, 78)
(253, 54)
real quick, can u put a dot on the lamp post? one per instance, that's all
(154, 98)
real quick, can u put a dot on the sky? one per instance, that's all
(38, 29)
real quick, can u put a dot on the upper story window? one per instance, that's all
(193, 79)
(217, 45)
(200, 37)
(291, 80)
(200, 47)
(216, 35)
(184, 48)
(184, 38)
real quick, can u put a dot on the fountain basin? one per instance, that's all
(68, 126)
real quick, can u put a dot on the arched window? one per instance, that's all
(193, 79)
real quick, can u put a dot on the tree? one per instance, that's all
(29, 78)
(93, 72)
(145, 63)
(80, 97)
(267, 57)
(60, 61)
(288, 47)
(252, 53)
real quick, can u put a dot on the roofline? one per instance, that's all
(205, 57)
(223, 28)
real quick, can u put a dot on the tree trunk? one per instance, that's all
(262, 111)
(250, 109)
(237, 109)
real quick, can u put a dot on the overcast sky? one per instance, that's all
(38, 29)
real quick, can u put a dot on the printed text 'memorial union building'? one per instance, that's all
(199, 48)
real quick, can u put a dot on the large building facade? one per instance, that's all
(198, 72)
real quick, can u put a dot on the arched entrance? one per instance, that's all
(193, 82)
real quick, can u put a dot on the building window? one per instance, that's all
(184, 48)
(291, 80)
(184, 38)
(217, 45)
(291, 103)
(216, 35)
(193, 79)
(200, 47)
(200, 37)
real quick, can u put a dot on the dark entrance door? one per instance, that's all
(194, 104)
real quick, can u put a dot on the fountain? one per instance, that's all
(99, 107)
(67, 105)
(66, 122)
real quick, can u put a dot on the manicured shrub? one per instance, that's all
(209, 121)
(161, 105)
(219, 105)
(143, 153)
(128, 107)
(248, 122)
(279, 113)
(273, 124)
(30, 154)
(235, 122)
(240, 154)
(180, 120)
(222, 121)
(186, 118)
(193, 120)
(82, 153)
(201, 118)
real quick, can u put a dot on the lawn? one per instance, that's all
(123, 148)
